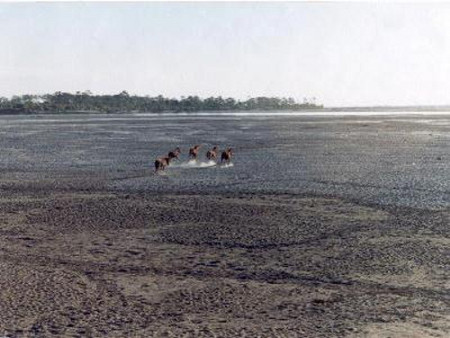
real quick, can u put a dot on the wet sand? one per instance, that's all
(323, 227)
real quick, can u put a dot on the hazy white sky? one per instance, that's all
(340, 53)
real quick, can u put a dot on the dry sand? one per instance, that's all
(135, 265)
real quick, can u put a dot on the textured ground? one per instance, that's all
(323, 227)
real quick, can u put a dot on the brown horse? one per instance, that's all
(212, 153)
(193, 152)
(161, 163)
(174, 153)
(226, 155)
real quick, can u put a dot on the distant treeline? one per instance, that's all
(60, 102)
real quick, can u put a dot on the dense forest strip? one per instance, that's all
(60, 102)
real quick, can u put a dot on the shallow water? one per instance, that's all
(400, 159)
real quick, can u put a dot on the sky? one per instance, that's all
(341, 53)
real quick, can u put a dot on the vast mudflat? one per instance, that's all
(323, 227)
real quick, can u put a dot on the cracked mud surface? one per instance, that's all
(88, 250)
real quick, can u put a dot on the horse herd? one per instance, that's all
(162, 162)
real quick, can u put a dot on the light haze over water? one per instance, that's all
(343, 54)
